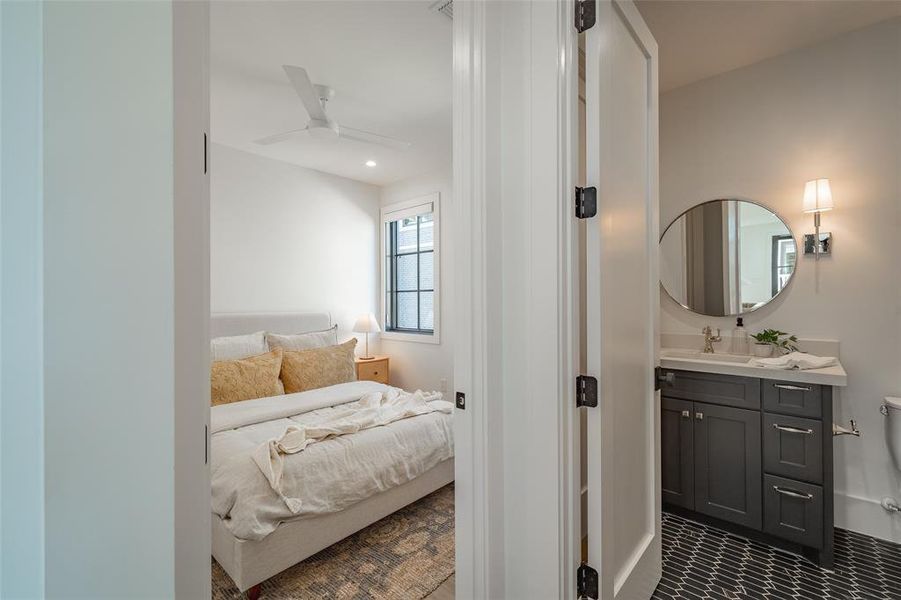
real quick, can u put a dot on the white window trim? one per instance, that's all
(408, 208)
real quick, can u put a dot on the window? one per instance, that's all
(410, 270)
(783, 261)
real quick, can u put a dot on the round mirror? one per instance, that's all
(726, 257)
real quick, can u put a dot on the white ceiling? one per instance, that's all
(389, 63)
(703, 38)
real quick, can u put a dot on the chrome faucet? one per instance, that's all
(709, 338)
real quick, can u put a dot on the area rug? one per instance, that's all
(405, 556)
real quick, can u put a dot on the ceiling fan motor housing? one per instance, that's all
(323, 130)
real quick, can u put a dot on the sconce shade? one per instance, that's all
(817, 196)
(367, 324)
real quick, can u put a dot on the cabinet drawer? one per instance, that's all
(789, 398)
(793, 510)
(727, 390)
(793, 447)
(376, 370)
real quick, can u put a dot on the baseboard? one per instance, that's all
(868, 517)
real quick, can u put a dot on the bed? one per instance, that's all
(253, 535)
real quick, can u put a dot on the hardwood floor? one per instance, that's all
(445, 591)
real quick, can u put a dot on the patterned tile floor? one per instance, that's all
(700, 561)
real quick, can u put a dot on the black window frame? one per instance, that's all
(391, 259)
(774, 261)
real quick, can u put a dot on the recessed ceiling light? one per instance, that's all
(370, 163)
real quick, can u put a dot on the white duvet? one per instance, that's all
(287, 457)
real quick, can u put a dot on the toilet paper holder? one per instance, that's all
(839, 430)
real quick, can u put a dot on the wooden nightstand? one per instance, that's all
(373, 370)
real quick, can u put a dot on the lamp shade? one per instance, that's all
(367, 324)
(817, 196)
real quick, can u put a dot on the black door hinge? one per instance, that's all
(205, 154)
(587, 582)
(585, 15)
(586, 391)
(661, 377)
(586, 202)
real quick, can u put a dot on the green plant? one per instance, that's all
(779, 339)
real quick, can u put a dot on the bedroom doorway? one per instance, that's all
(331, 271)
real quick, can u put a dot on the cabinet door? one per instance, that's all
(727, 464)
(676, 446)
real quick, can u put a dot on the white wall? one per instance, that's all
(287, 238)
(419, 365)
(760, 132)
(108, 268)
(21, 319)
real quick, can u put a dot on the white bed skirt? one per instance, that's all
(251, 562)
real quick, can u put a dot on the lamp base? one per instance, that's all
(367, 358)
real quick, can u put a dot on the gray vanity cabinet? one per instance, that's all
(756, 453)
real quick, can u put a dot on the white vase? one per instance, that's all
(763, 350)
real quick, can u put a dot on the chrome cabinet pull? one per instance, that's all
(699, 416)
(790, 429)
(685, 414)
(793, 493)
(794, 388)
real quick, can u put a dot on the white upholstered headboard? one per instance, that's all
(284, 323)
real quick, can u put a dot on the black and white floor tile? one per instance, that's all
(700, 561)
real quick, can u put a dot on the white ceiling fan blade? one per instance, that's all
(278, 137)
(372, 138)
(304, 88)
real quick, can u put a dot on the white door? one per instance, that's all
(623, 302)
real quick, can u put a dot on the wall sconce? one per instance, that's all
(817, 199)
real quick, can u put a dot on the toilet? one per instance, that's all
(892, 411)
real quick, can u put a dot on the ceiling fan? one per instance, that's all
(321, 126)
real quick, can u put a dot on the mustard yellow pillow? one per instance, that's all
(246, 378)
(318, 367)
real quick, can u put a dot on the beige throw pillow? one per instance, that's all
(246, 378)
(304, 370)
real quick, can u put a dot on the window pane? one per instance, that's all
(406, 272)
(406, 235)
(406, 310)
(426, 232)
(426, 310)
(426, 271)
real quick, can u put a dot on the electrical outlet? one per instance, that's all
(442, 385)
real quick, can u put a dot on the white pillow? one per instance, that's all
(235, 347)
(304, 341)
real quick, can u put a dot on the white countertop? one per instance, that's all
(730, 364)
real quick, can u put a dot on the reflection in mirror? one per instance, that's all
(726, 257)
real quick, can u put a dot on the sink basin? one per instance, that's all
(698, 355)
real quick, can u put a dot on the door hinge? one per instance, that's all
(661, 377)
(205, 154)
(587, 582)
(586, 391)
(586, 202)
(585, 15)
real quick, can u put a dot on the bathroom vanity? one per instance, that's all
(750, 447)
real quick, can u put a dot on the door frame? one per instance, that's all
(485, 518)
(492, 526)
